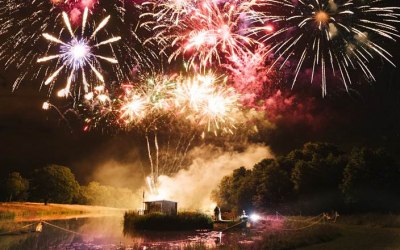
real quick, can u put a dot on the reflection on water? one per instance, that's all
(108, 233)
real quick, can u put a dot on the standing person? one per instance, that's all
(217, 213)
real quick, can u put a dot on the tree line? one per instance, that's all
(57, 184)
(316, 178)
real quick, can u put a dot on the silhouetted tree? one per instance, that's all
(222, 194)
(15, 187)
(54, 184)
(273, 185)
(235, 192)
(316, 175)
(371, 181)
(316, 178)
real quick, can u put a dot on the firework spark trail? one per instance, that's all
(205, 33)
(328, 36)
(76, 55)
(23, 22)
(150, 158)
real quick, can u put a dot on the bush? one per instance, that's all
(159, 222)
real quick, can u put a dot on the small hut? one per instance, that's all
(161, 206)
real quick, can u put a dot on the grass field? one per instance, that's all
(355, 232)
(368, 231)
(25, 211)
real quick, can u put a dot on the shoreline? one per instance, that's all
(32, 211)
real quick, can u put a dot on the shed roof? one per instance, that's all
(160, 201)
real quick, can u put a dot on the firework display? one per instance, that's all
(77, 54)
(320, 38)
(203, 100)
(329, 36)
(23, 23)
(160, 65)
(206, 32)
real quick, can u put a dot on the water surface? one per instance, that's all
(108, 233)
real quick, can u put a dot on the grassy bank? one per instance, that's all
(32, 211)
(371, 220)
(157, 221)
(280, 240)
(358, 232)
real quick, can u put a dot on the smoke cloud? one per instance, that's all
(121, 175)
(192, 187)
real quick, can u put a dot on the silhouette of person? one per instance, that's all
(217, 213)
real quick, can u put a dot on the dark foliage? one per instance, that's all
(315, 178)
(14, 188)
(54, 184)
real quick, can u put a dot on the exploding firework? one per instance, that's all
(78, 54)
(97, 108)
(204, 32)
(250, 76)
(329, 36)
(23, 22)
(147, 101)
(169, 11)
(134, 107)
(208, 102)
(156, 102)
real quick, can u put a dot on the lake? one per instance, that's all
(108, 233)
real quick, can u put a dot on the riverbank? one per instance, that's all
(30, 211)
(358, 232)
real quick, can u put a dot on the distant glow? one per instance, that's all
(254, 217)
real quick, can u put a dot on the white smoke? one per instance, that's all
(192, 187)
(121, 175)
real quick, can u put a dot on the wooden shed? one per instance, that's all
(161, 206)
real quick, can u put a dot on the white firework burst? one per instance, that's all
(78, 54)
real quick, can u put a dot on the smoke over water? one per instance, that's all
(192, 187)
